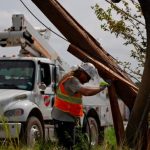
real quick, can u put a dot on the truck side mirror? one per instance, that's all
(42, 86)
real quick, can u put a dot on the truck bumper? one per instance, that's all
(10, 130)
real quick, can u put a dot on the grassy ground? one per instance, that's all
(108, 144)
(109, 140)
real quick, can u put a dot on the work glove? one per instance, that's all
(109, 82)
(103, 85)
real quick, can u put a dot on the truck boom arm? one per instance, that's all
(32, 43)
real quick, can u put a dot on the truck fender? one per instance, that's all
(24, 107)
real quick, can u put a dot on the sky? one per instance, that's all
(84, 15)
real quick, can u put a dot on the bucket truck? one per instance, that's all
(27, 88)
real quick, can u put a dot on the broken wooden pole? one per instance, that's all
(116, 115)
(75, 33)
(148, 139)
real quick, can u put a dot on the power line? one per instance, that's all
(42, 22)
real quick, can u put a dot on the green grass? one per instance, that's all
(110, 136)
(109, 140)
(108, 144)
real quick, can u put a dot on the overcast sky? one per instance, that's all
(80, 10)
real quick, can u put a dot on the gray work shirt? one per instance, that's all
(72, 86)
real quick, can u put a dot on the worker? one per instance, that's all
(68, 101)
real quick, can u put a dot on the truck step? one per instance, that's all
(50, 133)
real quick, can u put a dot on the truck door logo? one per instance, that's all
(46, 100)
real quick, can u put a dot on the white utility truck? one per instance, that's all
(27, 88)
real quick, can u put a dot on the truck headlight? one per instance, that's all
(14, 112)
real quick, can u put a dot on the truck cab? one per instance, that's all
(27, 87)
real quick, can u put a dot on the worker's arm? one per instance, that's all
(73, 85)
(89, 91)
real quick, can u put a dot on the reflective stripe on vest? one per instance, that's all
(66, 103)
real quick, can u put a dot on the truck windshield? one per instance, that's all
(17, 74)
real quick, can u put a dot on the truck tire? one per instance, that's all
(92, 132)
(33, 131)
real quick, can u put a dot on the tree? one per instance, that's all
(127, 26)
(138, 118)
(142, 104)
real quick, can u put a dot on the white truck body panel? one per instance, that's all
(11, 130)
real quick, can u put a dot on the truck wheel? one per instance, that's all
(92, 131)
(34, 131)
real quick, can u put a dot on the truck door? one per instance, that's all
(47, 95)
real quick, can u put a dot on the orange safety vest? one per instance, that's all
(70, 104)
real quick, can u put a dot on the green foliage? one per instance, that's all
(110, 136)
(124, 22)
(109, 140)
(81, 141)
